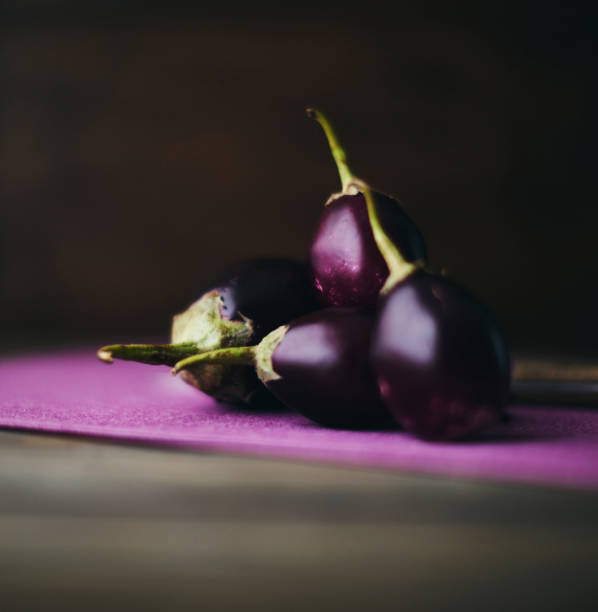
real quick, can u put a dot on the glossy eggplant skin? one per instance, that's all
(347, 267)
(324, 369)
(440, 361)
(268, 291)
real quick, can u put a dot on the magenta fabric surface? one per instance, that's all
(76, 394)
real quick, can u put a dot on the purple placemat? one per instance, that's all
(76, 394)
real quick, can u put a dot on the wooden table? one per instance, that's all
(91, 525)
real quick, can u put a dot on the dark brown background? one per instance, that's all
(145, 145)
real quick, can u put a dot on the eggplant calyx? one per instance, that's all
(264, 351)
(203, 324)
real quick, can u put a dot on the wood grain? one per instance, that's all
(96, 526)
(565, 380)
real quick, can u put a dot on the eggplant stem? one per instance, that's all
(152, 354)
(398, 267)
(338, 153)
(238, 355)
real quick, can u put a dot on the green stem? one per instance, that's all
(398, 267)
(153, 354)
(338, 153)
(237, 355)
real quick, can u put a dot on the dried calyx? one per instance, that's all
(200, 328)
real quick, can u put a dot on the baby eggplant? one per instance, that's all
(317, 365)
(441, 363)
(238, 309)
(347, 266)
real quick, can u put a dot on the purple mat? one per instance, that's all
(74, 393)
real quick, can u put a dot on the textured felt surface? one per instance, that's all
(72, 392)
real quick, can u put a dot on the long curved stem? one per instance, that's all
(398, 267)
(338, 153)
(238, 355)
(152, 354)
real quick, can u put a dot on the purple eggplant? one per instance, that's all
(441, 363)
(238, 309)
(347, 266)
(317, 365)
